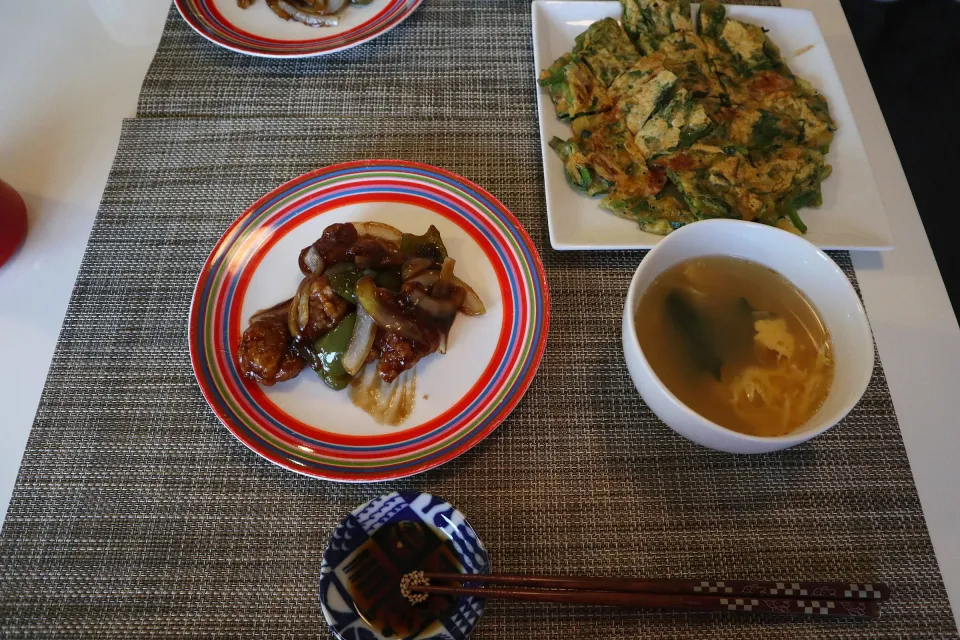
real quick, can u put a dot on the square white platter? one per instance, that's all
(852, 215)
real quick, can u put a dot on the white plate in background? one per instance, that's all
(852, 215)
(258, 31)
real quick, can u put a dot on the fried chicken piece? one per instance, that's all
(264, 355)
(397, 354)
(332, 246)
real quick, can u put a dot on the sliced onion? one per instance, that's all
(380, 231)
(299, 312)
(274, 6)
(414, 267)
(439, 308)
(312, 260)
(427, 279)
(391, 399)
(364, 332)
(303, 307)
(445, 287)
(386, 402)
(446, 271)
(401, 399)
(442, 349)
(321, 6)
(308, 17)
(472, 304)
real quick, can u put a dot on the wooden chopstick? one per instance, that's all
(759, 604)
(723, 588)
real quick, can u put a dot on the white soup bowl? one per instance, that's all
(800, 262)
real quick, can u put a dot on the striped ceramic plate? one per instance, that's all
(461, 396)
(258, 31)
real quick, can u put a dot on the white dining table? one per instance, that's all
(69, 76)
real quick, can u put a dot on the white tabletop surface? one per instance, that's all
(78, 72)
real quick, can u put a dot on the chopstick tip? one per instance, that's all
(409, 584)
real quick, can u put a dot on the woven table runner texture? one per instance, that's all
(137, 514)
(462, 59)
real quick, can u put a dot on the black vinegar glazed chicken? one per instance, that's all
(373, 302)
(315, 13)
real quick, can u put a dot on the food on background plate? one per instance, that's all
(373, 302)
(675, 122)
(315, 13)
(737, 343)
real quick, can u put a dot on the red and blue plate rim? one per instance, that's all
(210, 23)
(215, 323)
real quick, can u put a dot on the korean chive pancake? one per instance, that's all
(737, 49)
(603, 156)
(574, 89)
(639, 92)
(794, 100)
(675, 121)
(713, 184)
(679, 123)
(754, 75)
(659, 215)
(722, 183)
(685, 55)
(649, 21)
(578, 168)
(613, 154)
(750, 129)
(606, 50)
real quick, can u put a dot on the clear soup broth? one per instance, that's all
(737, 343)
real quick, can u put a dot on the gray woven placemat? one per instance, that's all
(462, 59)
(137, 514)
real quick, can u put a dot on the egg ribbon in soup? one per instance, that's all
(737, 343)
